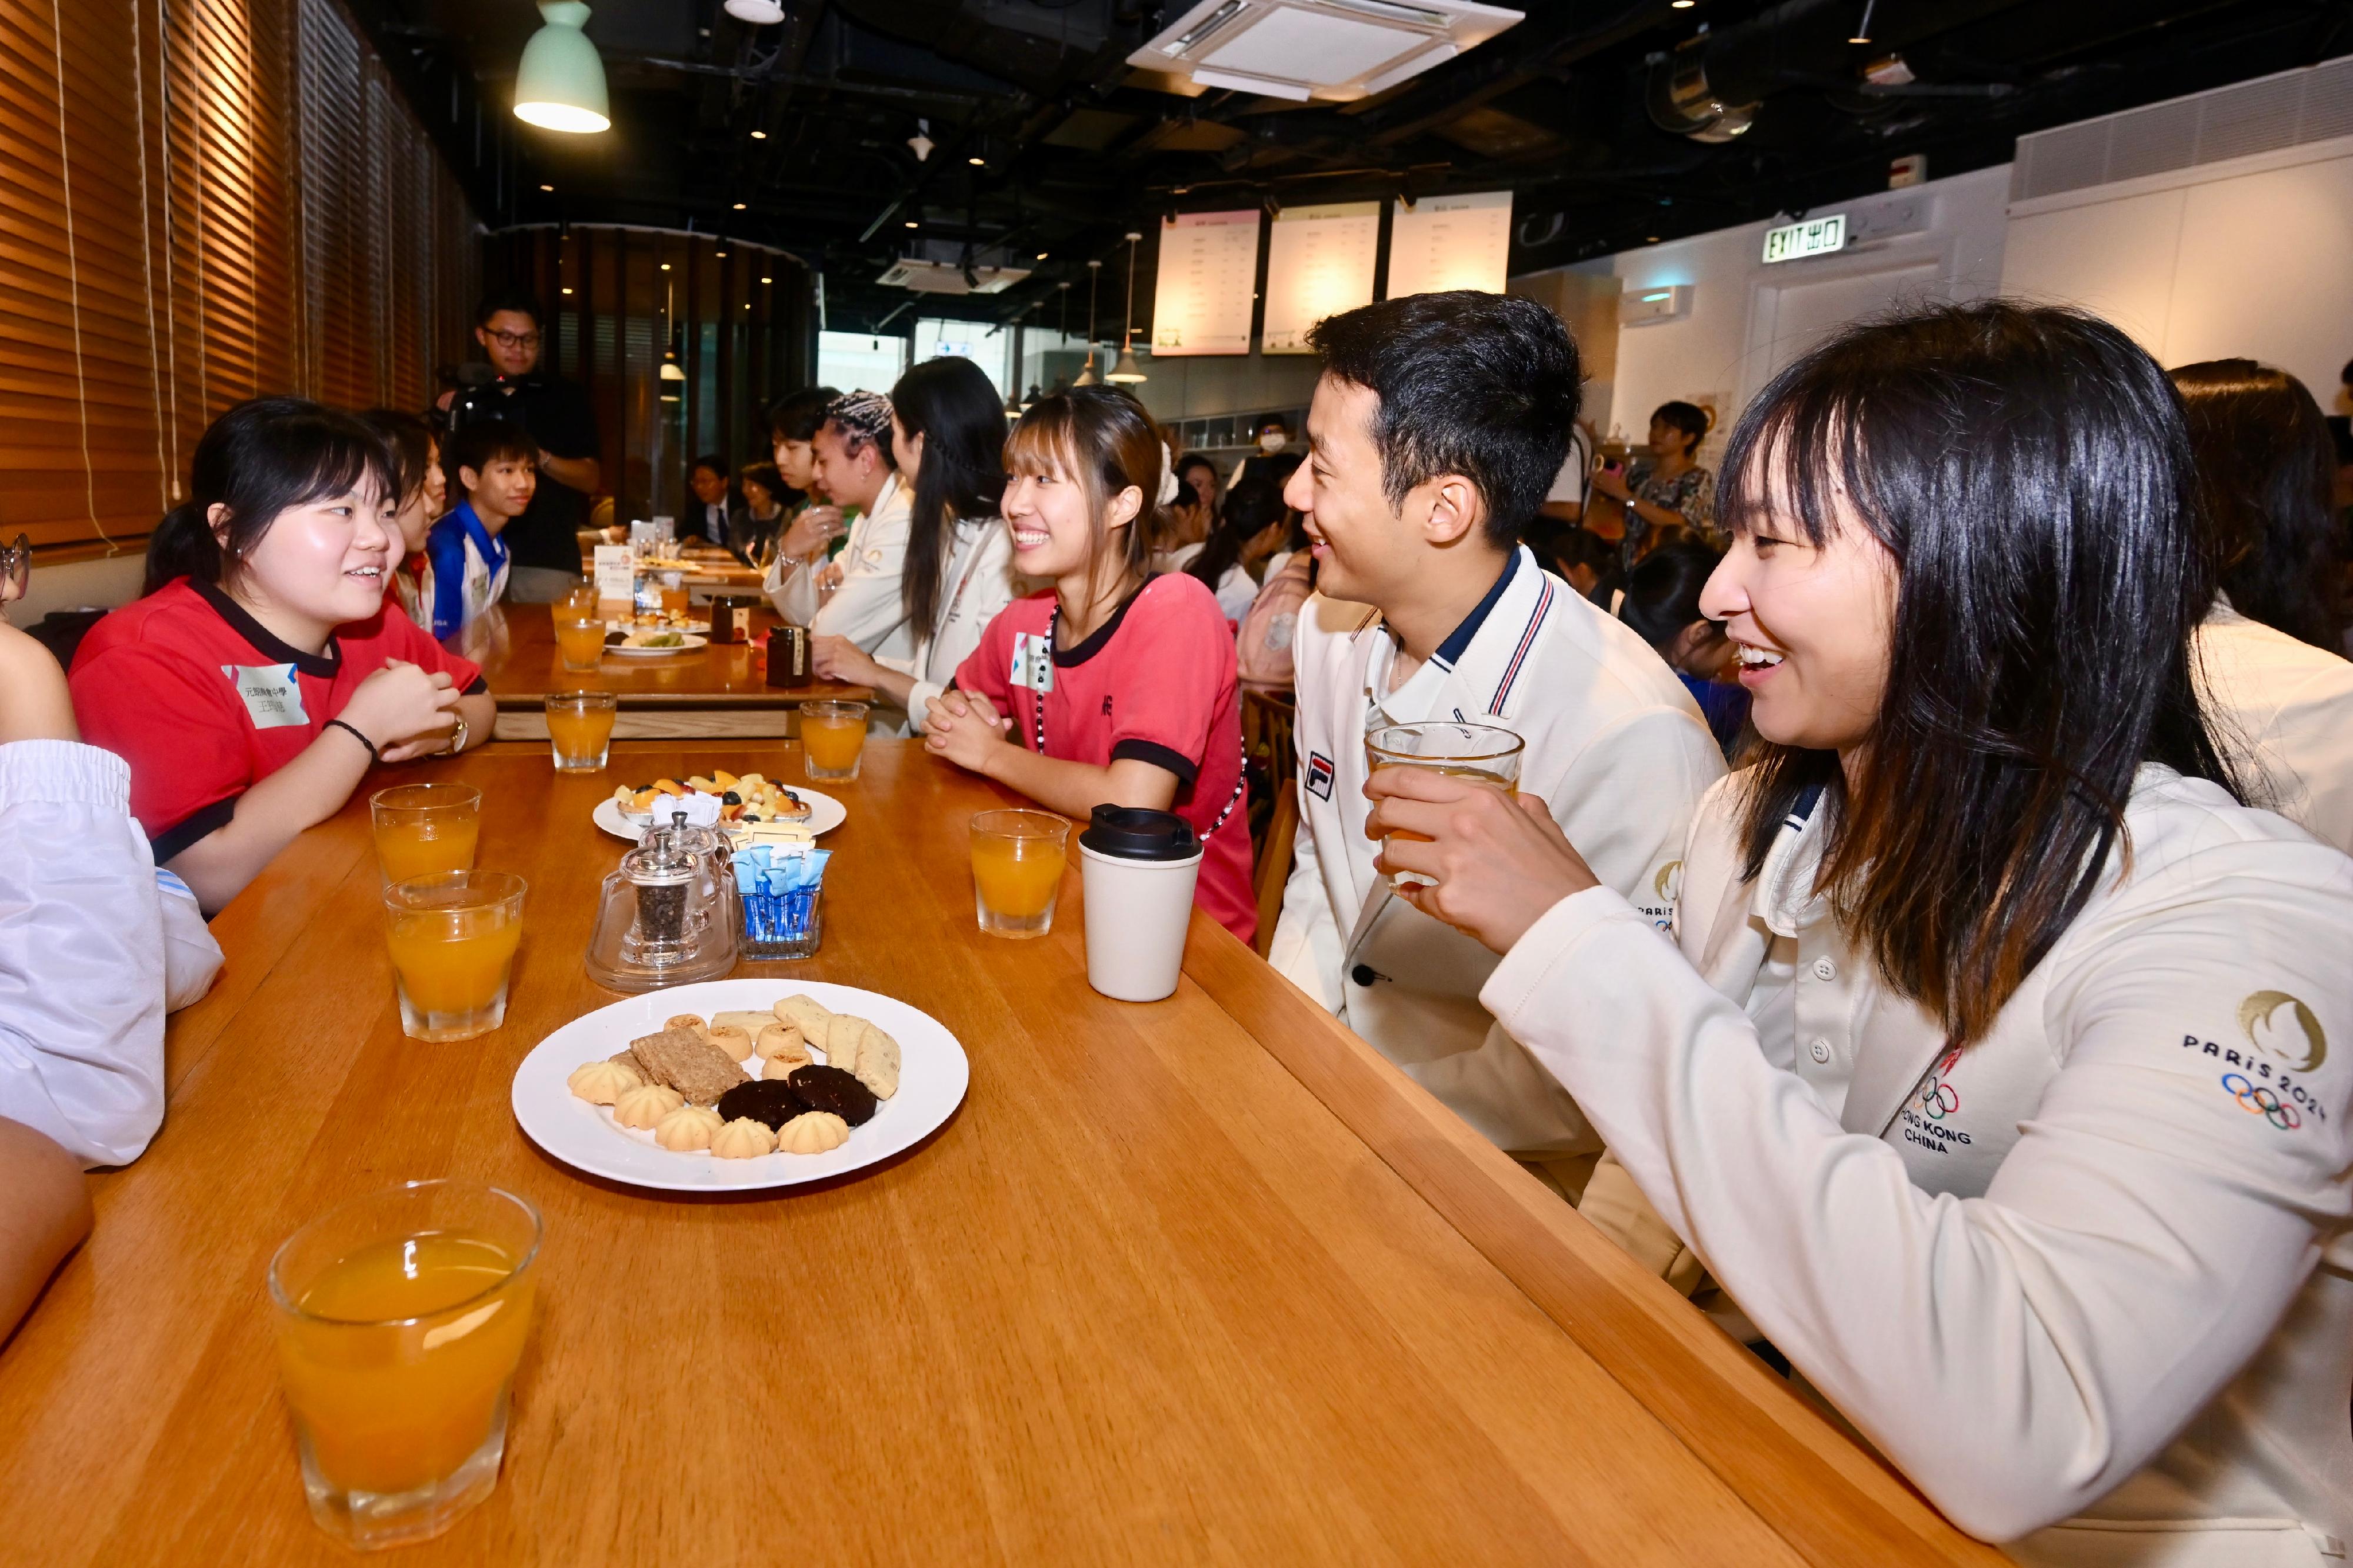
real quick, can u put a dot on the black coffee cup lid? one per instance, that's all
(1139, 833)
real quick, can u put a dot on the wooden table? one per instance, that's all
(1203, 1280)
(719, 690)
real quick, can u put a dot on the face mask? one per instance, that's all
(1272, 441)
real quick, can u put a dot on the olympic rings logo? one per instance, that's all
(2257, 1099)
(1940, 1100)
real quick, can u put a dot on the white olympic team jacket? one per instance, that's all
(2284, 711)
(1615, 747)
(866, 608)
(2088, 1281)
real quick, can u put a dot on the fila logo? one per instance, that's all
(1319, 776)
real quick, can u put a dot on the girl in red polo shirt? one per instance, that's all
(1118, 687)
(263, 673)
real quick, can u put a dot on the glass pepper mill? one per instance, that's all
(664, 919)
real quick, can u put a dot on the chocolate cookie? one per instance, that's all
(830, 1088)
(769, 1101)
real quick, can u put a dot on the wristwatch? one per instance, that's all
(457, 741)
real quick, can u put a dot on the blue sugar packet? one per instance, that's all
(779, 888)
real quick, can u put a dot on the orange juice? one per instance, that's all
(387, 1406)
(1017, 877)
(581, 642)
(422, 847)
(581, 736)
(832, 744)
(454, 961)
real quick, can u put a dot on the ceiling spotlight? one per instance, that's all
(739, 206)
(567, 288)
(977, 163)
(759, 136)
(921, 141)
(759, 13)
(1680, 4)
(912, 224)
(1041, 256)
(547, 187)
(720, 254)
(768, 280)
(1862, 33)
(665, 267)
(560, 81)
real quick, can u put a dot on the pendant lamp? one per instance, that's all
(560, 84)
(1127, 372)
(1088, 377)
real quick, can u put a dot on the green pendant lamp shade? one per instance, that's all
(560, 85)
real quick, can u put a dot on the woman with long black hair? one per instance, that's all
(947, 431)
(1992, 1078)
(2280, 694)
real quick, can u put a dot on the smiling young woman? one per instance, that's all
(1991, 1078)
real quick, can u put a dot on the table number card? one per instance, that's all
(1449, 242)
(1319, 262)
(1207, 282)
(616, 574)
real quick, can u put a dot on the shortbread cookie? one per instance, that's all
(690, 1064)
(878, 1062)
(807, 1012)
(686, 1021)
(814, 1133)
(735, 1042)
(783, 1046)
(602, 1083)
(750, 1023)
(841, 1041)
(644, 1108)
(687, 1128)
(742, 1139)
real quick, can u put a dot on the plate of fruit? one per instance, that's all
(744, 799)
(653, 644)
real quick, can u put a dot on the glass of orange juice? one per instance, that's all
(833, 736)
(1486, 752)
(400, 1319)
(453, 939)
(580, 729)
(1016, 870)
(579, 635)
(423, 828)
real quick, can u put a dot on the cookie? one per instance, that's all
(782, 1043)
(878, 1062)
(806, 1011)
(769, 1101)
(814, 1133)
(830, 1088)
(685, 1021)
(734, 1041)
(690, 1064)
(750, 1023)
(687, 1128)
(841, 1041)
(742, 1139)
(645, 1108)
(602, 1083)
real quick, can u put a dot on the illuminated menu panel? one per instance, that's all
(1319, 262)
(1449, 242)
(1208, 277)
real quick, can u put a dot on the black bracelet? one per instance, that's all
(353, 730)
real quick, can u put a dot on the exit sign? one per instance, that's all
(1815, 236)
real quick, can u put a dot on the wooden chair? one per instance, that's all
(1273, 866)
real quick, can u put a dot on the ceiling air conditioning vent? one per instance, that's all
(1332, 50)
(948, 277)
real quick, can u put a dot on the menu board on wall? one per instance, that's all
(1319, 262)
(1449, 242)
(1209, 280)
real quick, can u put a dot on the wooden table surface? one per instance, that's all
(1201, 1280)
(719, 690)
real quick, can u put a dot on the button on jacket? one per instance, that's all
(2088, 1281)
(1615, 747)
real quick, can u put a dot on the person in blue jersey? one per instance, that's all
(495, 466)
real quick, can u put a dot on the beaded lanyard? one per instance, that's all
(1241, 780)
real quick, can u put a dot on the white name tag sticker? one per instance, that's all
(271, 693)
(1033, 662)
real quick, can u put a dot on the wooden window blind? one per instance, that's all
(202, 201)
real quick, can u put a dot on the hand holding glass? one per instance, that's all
(1485, 753)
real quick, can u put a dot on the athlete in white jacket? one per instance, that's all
(1439, 417)
(2064, 1226)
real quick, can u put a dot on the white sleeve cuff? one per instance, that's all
(63, 772)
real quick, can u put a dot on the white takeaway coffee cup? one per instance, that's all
(1137, 867)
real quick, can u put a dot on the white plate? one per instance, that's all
(826, 814)
(691, 644)
(626, 627)
(934, 1073)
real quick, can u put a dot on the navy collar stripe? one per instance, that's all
(1458, 643)
(1520, 655)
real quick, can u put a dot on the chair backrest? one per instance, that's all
(1274, 868)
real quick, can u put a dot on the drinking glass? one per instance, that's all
(400, 1317)
(581, 596)
(423, 828)
(580, 729)
(579, 635)
(453, 940)
(1016, 870)
(833, 737)
(1482, 752)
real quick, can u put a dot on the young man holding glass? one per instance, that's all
(1437, 428)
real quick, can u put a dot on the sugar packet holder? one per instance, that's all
(780, 889)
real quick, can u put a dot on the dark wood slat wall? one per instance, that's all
(742, 343)
(202, 201)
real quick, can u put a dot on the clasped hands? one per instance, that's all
(1497, 861)
(964, 729)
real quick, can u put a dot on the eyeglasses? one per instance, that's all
(517, 340)
(16, 568)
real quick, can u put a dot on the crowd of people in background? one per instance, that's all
(1917, 932)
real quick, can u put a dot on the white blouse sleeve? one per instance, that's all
(82, 953)
(867, 608)
(2021, 1354)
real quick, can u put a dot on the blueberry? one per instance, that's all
(731, 798)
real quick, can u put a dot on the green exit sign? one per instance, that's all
(1815, 236)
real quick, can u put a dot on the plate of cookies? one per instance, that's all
(740, 1084)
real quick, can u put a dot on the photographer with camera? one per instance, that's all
(544, 540)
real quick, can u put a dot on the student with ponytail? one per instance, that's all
(263, 673)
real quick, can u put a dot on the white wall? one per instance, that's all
(1747, 319)
(2250, 257)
